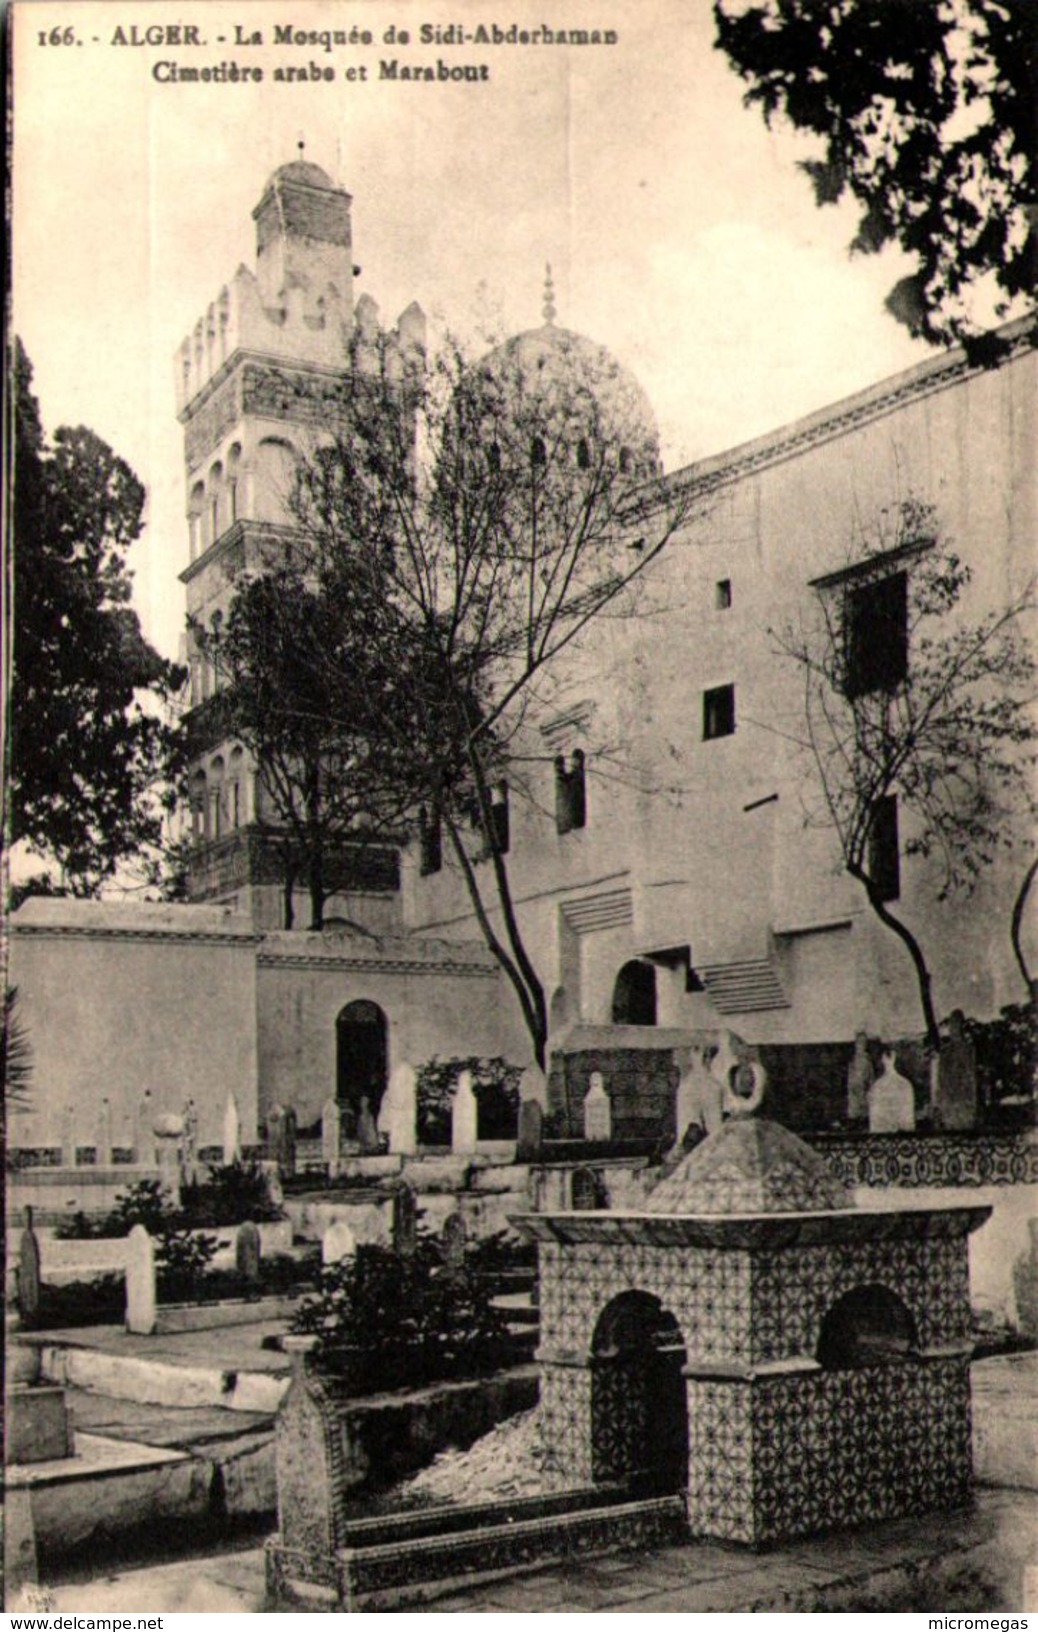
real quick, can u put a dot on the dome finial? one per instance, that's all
(548, 309)
(301, 144)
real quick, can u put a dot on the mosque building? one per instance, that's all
(686, 890)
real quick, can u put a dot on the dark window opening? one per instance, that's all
(634, 995)
(494, 456)
(876, 635)
(723, 594)
(718, 712)
(499, 818)
(570, 793)
(884, 849)
(430, 843)
(625, 461)
(538, 451)
(583, 454)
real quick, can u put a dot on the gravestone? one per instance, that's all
(103, 1138)
(531, 1130)
(860, 1077)
(283, 1131)
(955, 1094)
(891, 1100)
(405, 1221)
(247, 1251)
(231, 1131)
(699, 1098)
(533, 1084)
(28, 1271)
(144, 1138)
(331, 1128)
(168, 1133)
(337, 1243)
(464, 1116)
(453, 1236)
(140, 1281)
(398, 1113)
(367, 1133)
(189, 1144)
(598, 1111)
(68, 1137)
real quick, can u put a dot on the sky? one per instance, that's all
(679, 230)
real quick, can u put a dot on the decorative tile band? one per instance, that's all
(916, 1160)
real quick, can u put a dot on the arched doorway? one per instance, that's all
(639, 1400)
(361, 1056)
(634, 995)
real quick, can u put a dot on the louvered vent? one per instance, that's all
(744, 987)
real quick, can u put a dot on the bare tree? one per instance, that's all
(478, 519)
(909, 711)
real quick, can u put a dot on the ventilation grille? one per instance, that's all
(603, 911)
(743, 988)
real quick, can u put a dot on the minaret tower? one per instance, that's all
(255, 380)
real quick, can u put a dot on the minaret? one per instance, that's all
(256, 382)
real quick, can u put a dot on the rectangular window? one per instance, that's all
(570, 793)
(430, 843)
(884, 852)
(723, 594)
(876, 635)
(718, 712)
(499, 817)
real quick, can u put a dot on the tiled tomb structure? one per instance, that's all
(795, 1363)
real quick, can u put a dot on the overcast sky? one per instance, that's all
(679, 230)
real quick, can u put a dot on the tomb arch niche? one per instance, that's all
(867, 1326)
(639, 1399)
(361, 1056)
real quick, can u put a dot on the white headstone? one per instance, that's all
(166, 1138)
(891, 1100)
(144, 1137)
(68, 1137)
(337, 1243)
(140, 1281)
(699, 1098)
(464, 1112)
(598, 1110)
(331, 1124)
(398, 1113)
(533, 1084)
(231, 1131)
(103, 1140)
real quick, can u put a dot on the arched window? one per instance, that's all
(195, 508)
(494, 456)
(233, 477)
(275, 479)
(215, 490)
(626, 462)
(538, 451)
(869, 1326)
(236, 789)
(570, 793)
(197, 798)
(583, 454)
(634, 995)
(216, 807)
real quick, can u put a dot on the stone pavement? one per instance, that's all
(965, 1563)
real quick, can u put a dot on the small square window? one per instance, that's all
(723, 594)
(718, 712)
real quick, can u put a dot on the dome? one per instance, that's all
(303, 172)
(750, 1165)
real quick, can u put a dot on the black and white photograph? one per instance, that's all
(520, 939)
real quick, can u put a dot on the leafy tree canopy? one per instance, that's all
(928, 111)
(87, 755)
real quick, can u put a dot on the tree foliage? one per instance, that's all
(88, 756)
(949, 740)
(459, 526)
(298, 672)
(928, 111)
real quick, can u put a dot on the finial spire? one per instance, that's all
(301, 144)
(548, 308)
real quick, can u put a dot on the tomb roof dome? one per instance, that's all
(750, 1165)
